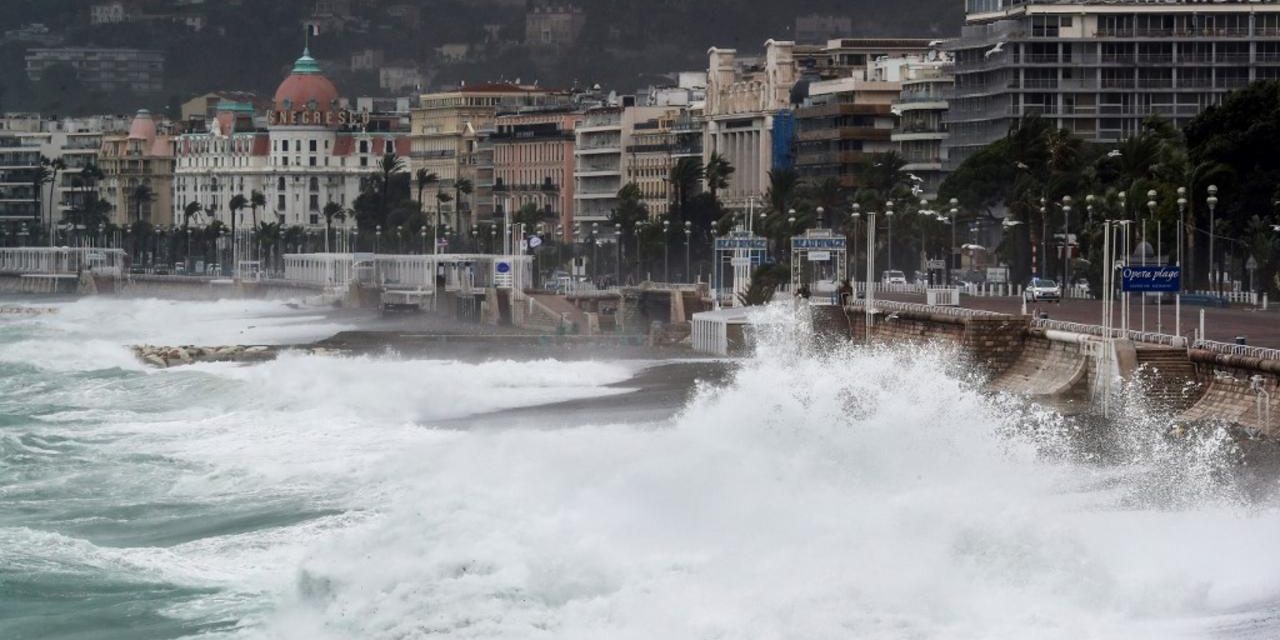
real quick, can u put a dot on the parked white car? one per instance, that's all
(893, 276)
(1042, 289)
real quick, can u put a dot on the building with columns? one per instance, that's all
(743, 98)
(306, 151)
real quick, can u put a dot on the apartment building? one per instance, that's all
(533, 163)
(103, 69)
(1098, 69)
(603, 159)
(921, 108)
(448, 137)
(27, 141)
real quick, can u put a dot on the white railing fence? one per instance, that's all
(61, 260)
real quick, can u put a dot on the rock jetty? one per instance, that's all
(164, 357)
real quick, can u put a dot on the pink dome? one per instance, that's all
(306, 88)
(143, 126)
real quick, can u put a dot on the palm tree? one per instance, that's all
(236, 205)
(39, 177)
(193, 208)
(829, 195)
(717, 174)
(90, 176)
(256, 199)
(425, 178)
(140, 195)
(55, 165)
(686, 173)
(441, 199)
(461, 187)
(331, 210)
(389, 165)
(782, 189)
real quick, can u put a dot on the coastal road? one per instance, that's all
(1261, 328)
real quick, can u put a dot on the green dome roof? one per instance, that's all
(306, 65)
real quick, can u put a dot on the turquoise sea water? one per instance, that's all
(812, 496)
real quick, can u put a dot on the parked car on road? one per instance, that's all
(1039, 289)
(893, 276)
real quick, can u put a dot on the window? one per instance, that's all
(389, 146)
(313, 146)
(297, 145)
(280, 202)
(364, 162)
(285, 160)
(312, 160)
(315, 184)
(315, 202)
(280, 183)
(364, 146)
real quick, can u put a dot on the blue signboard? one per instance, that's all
(725, 244)
(1151, 278)
(818, 244)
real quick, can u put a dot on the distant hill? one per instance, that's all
(249, 44)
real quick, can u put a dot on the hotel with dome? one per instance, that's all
(308, 150)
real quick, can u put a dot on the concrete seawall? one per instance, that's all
(1067, 369)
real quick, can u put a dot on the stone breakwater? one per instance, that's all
(17, 310)
(168, 356)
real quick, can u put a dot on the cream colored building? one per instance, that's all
(743, 95)
(143, 157)
(448, 131)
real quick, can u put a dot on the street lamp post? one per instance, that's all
(1151, 211)
(688, 234)
(951, 252)
(869, 295)
(1212, 201)
(854, 216)
(377, 238)
(666, 251)
(1182, 223)
(423, 232)
(888, 215)
(1066, 244)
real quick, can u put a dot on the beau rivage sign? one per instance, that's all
(315, 117)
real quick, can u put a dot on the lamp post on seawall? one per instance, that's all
(1151, 210)
(423, 233)
(1066, 244)
(888, 216)
(666, 251)
(1043, 263)
(377, 238)
(1212, 201)
(870, 293)
(951, 251)
(854, 216)
(617, 254)
(1177, 296)
(688, 235)
(595, 250)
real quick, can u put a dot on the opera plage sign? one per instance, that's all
(315, 117)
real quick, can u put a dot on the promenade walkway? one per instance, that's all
(1262, 328)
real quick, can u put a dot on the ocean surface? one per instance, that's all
(817, 492)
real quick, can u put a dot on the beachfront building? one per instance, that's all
(533, 163)
(921, 109)
(604, 163)
(308, 150)
(744, 97)
(1098, 69)
(137, 173)
(27, 141)
(449, 131)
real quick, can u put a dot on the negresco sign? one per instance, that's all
(315, 117)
